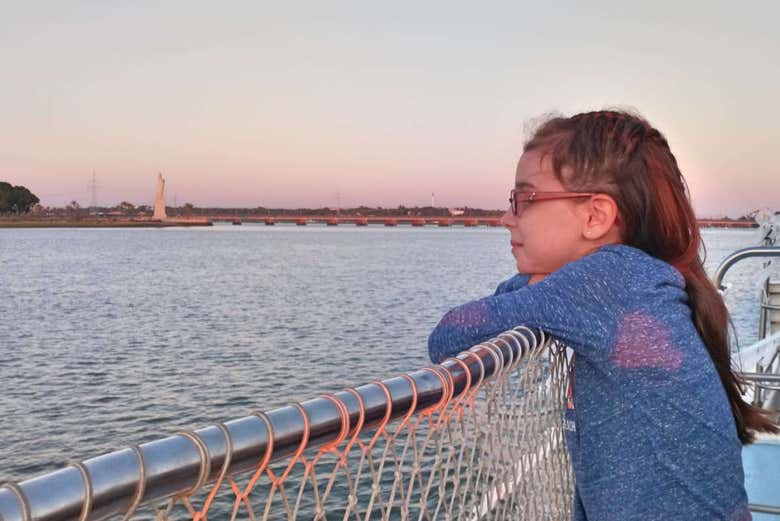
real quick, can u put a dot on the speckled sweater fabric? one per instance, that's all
(650, 433)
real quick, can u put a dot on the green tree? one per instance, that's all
(127, 208)
(16, 199)
(73, 208)
(4, 189)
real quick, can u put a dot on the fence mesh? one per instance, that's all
(496, 451)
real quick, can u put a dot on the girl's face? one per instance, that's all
(545, 235)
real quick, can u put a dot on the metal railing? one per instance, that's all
(181, 467)
(178, 467)
(745, 253)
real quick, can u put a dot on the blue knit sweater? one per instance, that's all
(651, 434)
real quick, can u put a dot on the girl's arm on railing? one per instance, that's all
(580, 304)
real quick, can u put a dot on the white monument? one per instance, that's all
(159, 202)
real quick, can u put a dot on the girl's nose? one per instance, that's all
(508, 219)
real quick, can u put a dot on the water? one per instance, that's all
(120, 336)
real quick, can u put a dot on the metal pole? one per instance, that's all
(764, 509)
(108, 485)
(763, 312)
(761, 377)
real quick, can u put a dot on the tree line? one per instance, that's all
(16, 199)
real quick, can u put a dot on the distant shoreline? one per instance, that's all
(97, 223)
(345, 220)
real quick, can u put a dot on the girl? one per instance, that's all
(607, 247)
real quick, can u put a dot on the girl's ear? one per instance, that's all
(601, 218)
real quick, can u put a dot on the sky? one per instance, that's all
(311, 104)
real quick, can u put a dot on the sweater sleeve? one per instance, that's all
(579, 304)
(518, 281)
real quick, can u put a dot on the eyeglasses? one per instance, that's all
(516, 198)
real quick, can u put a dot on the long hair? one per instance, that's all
(622, 155)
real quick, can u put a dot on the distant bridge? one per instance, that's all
(357, 220)
(720, 223)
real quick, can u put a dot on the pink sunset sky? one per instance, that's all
(292, 104)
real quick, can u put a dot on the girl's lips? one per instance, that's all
(515, 244)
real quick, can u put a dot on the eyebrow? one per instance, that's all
(524, 185)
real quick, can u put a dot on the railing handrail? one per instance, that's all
(744, 253)
(121, 481)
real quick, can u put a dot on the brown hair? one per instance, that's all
(622, 155)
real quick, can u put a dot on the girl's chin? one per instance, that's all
(537, 277)
(535, 272)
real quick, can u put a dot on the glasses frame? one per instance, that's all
(516, 197)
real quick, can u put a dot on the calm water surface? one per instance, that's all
(115, 337)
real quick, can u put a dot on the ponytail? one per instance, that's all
(711, 319)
